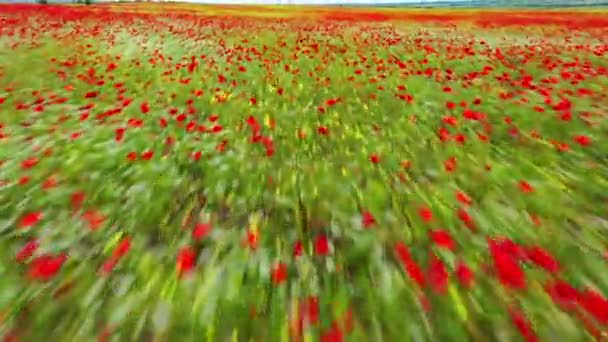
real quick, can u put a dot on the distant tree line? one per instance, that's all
(86, 2)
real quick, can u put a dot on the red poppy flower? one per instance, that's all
(132, 156)
(77, 199)
(186, 260)
(46, 266)
(411, 267)
(279, 273)
(463, 198)
(450, 120)
(298, 249)
(24, 180)
(94, 219)
(563, 294)
(425, 214)
(144, 107)
(123, 248)
(334, 334)
(30, 219)
(27, 250)
(368, 219)
(442, 238)
(525, 187)
(321, 245)
(595, 304)
(438, 275)
(147, 155)
(201, 230)
(582, 140)
(543, 259)
(509, 271)
(523, 325)
(29, 163)
(450, 164)
(90, 95)
(464, 274)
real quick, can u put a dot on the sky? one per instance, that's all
(300, 2)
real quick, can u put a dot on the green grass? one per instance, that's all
(309, 186)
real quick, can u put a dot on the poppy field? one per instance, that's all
(218, 173)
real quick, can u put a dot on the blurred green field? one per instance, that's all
(182, 172)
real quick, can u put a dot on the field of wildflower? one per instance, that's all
(219, 173)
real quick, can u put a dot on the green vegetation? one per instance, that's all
(175, 177)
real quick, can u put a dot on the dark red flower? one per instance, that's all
(444, 134)
(30, 219)
(463, 198)
(466, 218)
(196, 156)
(252, 239)
(464, 274)
(411, 267)
(543, 259)
(509, 271)
(77, 199)
(24, 180)
(334, 334)
(119, 134)
(424, 302)
(523, 325)
(442, 238)
(201, 230)
(94, 218)
(279, 273)
(29, 163)
(46, 266)
(425, 214)
(108, 266)
(147, 155)
(321, 245)
(49, 183)
(525, 187)
(374, 158)
(145, 108)
(163, 122)
(90, 95)
(27, 250)
(582, 140)
(450, 120)
(331, 102)
(186, 260)
(438, 275)
(450, 164)
(132, 156)
(311, 309)
(595, 304)
(367, 219)
(298, 249)
(123, 248)
(563, 294)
